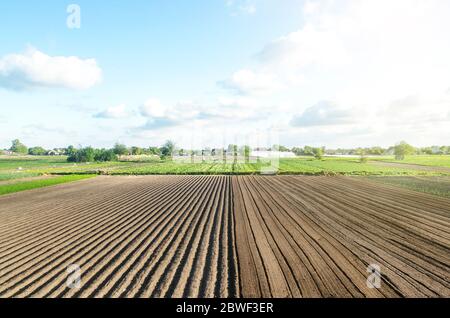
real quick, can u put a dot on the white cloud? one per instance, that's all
(160, 115)
(416, 110)
(242, 102)
(36, 69)
(40, 129)
(185, 113)
(153, 108)
(386, 61)
(239, 7)
(324, 113)
(248, 8)
(248, 82)
(305, 47)
(114, 112)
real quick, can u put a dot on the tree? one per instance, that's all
(120, 149)
(403, 149)
(167, 149)
(378, 151)
(82, 155)
(71, 153)
(154, 151)
(308, 151)
(318, 153)
(18, 147)
(362, 155)
(136, 151)
(70, 150)
(86, 154)
(37, 151)
(233, 149)
(281, 148)
(105, 155)
(246, 150)
(298, 151)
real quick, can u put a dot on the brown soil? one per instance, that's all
(222, 236)
(315, 237)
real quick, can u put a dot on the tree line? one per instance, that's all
(400, 150)
(90, 154)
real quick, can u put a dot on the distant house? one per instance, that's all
(54, 152)
(6, 152)
(436, 150)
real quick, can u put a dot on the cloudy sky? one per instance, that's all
(337, 73)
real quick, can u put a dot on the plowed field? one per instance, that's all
(224, 236)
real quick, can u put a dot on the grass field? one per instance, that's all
(424, 160)
(434, 185)
(34, 184)
(343, 166)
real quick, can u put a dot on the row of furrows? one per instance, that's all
(72, 224)
(431, 240)
(305, 268)
(321, 233)
(164, 239)
(47, 204)
(222, 236)
(60, 249)
(360, 232)
(355, 223)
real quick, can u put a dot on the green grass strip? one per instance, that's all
(28, 185)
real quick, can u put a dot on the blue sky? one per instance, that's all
(334, 73)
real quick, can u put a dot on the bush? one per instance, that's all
(105, 155)
(318, 153)
(82, 155)
(403, 149)
(18, 147)
(167, 149)
(37, 151)
(90, 154)
(120, 149)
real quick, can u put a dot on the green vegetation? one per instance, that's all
(18, 147)
(344, 166)
(316, 152)
(15, 167)
(37, 151)
(424, 160)
(12, 175)
(34, 184)
(9, 168)
(120, 149)
(90, 154)
(403, 149)
(167, 149)
(433, 185)
(170, 167)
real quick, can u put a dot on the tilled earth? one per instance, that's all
(224, 236)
